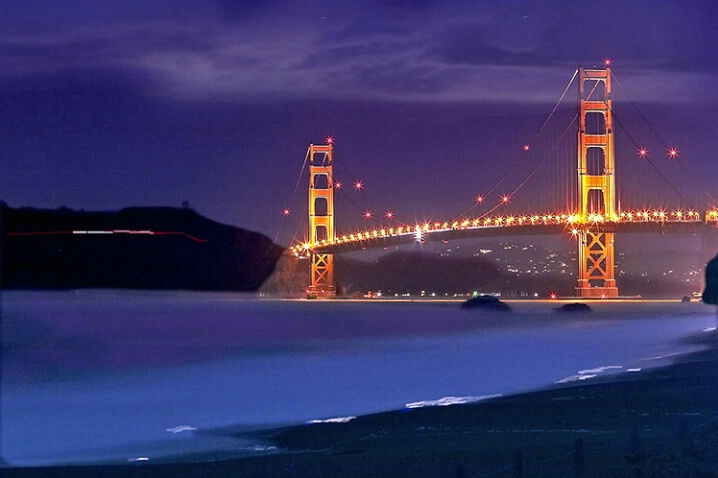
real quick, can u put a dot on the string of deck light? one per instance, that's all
(574, 221)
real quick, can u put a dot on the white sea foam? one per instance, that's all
(599, 370)
(180, 429)
(575, 378)
(332, 420)
(446, 401)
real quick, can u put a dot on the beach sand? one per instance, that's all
(653, 423)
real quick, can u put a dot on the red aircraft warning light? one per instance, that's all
(672, 153)
(368, 215)
(287, 211)
(358, 185)
(505, 198)
(527, 147)
(643, 152)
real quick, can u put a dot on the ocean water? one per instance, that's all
(118, 376)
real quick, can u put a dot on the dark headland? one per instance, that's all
(138, 248)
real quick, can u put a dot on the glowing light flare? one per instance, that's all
(505, 198)
(527, 147)
(329, 140)
(553, 296)
(672, 153)
(368, 215)
(337, 184)
(642, 152)
(358, 185)
(607, 62)
(479, 199)
(389, 215)
(287, 211)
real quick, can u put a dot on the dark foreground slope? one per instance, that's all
(43, 249)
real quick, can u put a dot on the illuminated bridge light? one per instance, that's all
(487, 221)
(505, 198)
(527, 147)
(465, 223)
(338, 185)
(672, 153)
(479, 199)
(642, 152)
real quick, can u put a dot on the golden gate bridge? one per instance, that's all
(593, 218)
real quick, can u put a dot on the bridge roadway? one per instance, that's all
(376, 239)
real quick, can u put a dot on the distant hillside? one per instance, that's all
(149, 248)
(411, 271)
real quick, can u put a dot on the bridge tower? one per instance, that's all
(321, 219)
(596, 184)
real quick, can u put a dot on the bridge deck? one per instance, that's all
(382, 238)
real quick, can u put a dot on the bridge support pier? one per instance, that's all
(321, 220)
(596, 186)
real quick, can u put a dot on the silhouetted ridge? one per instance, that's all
(185, 251)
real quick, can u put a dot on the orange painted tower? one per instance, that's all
(321, 220)
(596, 185)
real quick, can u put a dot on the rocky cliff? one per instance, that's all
(710, 294)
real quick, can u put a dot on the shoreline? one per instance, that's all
(661, 421)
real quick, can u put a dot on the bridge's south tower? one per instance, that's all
(596, 185)
(321, 220)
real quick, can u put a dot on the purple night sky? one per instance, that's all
(122, 103)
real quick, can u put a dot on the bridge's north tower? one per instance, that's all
(596, 185)
(321, 220)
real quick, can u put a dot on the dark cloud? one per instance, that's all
(111, 104)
